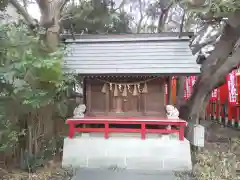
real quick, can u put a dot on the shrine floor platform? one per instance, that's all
(129, 152)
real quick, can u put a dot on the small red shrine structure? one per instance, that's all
(124, 93)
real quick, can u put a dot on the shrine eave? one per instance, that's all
(131, 55)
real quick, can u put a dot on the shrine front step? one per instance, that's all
(102, 174)
(128, 153)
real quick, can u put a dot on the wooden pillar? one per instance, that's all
(174, 92)
(144, 104)
(170, 90)
(84, 88)
(165, 90)
(107, 101)
(119, 104)
(88, 94)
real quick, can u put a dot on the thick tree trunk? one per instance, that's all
(180, 91)
(190, 111)
(214, 70)
(204, 86)
(202, 113)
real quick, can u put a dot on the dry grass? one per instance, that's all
(56, 173)
(219, 160)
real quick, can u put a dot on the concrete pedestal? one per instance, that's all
(157, 153)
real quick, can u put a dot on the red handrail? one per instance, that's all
(181, 124)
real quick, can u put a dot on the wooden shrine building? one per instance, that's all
(124, 82)
(126, 74)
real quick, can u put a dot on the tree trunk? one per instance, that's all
(190, 111)
(180, 91)
(214, 70)
(162, 18)
(202, 113)
(160, 26)
(50, 17)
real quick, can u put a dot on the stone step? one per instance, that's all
(101, 174)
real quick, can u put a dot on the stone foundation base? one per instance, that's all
(157, 153)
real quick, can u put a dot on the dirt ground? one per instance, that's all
(221, 142)
(46, 173)
(221, 154)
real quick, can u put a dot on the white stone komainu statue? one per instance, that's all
(81, 107)
(172, 113)
(79, 111)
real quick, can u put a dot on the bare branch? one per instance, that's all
(62, 4)
(197, 37)
(139, 24)
(198, 46)
(50, 11)
(182, 22)
(142, 15)
(29, 20)
(120, 6)
(222, 49)
(25, 4)
(140, 9)
(162, 18)
(199, 2)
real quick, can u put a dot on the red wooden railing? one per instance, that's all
(227, 114)
(221, 109)
(180, 124)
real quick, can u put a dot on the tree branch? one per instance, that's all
(197, 47)
(199, 2)
(29, 20)
(162, 18)
(182, 22)
(120, 6)
(62, 4)
(222, 49)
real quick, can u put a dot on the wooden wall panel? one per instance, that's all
(97, 99)
(148, 104)
(155, 98)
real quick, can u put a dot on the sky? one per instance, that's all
(34, 11)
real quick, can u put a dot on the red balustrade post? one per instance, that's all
(143, 131)
(181, 133)
(106, 133)
(71, 130)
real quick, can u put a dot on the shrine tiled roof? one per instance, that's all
(130, 54)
